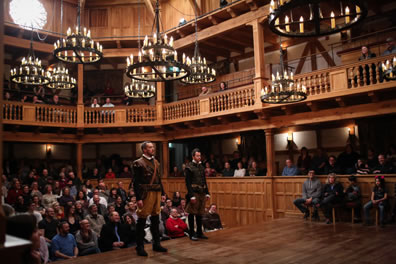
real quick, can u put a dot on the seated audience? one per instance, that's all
(112, 196)
(35, 190)
(72, 219)
(36, 100)
(121, 192)
(223, 86)
(304, 161)
(64, 245)
(112, 235)
(95, 103)
(55, 100)
(108, 103)
(379, 198)
(131, 210)
(209, 172)
(372, 159)
(332, 194)
(175, 172)
(110, 174)
(211, 220)
(390, 47)
(311, 193)
(96, 221)
(353, 195)
(87, 240)
(253, 170)
(383, 167)
(240, 171)
(319, 161)
(102, 210)
(102, 200)
(81, 209)
(361, 167)
(366, 53)
(290, 169)
(14, 192)
(59, 213)
(176, 199)
(119, 205)
(228, 172)
(332, 166)
(347, 160)
(181, 209)
(49, 225)
(126, 173)
(165, 211)
(25, 227)
(130, 229)
(66, 199)
(205, 91)
(174, 225)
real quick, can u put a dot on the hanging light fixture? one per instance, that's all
(321, 21)
(60, 78)
(78, 47)
(30, 71)
(283, 89)
(139, 88)
(157, 60)
(200, 71)
(389, 70)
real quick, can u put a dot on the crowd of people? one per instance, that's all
(71, 218)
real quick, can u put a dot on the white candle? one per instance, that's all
(347, 18)
(332, 20)
(301, 24)
(287, 22)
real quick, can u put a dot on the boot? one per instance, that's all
(199, 227)
(141, 223)
(154, 228)
(191, 231)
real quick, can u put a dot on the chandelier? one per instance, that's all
(389, 70)
(30, 71)
(283, 89)
(139, 89)
(60, 79)
(200, 71)
(315, 17)
(157, 60)
(78, 47)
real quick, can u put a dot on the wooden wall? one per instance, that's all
(248, 200)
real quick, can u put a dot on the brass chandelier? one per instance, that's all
(315, 17)
(200, 71)
(389, 70)
(157, 60)
(30, 72)
(283, 89)
(78, 47)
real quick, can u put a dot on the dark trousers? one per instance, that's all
(300, 204)
(198, 219)
(327, 203)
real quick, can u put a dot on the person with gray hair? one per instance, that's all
(390, 47)
(95, 220)
(87, 240)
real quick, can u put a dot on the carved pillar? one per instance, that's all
(2, 216)
(165, 159)
(269, 140)
(79, 157)
(80, 101)
(160, 100)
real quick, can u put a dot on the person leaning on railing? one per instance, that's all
(366, 54)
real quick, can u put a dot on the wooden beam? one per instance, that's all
(25, 44)
(313, 106)
(214, 20)
(262, 114)
(288, 110)
(373, 96)
(243, 116)
(303, 58)
(237, 41)
(252, 5)
(220, 44)
(231, 12)
(324, 53)
(223, 27)
(340, 101)
(150, 7)
(125, 52)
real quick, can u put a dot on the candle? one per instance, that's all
(184, 58)
(357, 9)
(76, 30)
(287, 22)
(74, 42)
(83, 43)
(89, 34)
(332, 20)
(272, 4)
(171, 42)
(68, 32)
(273, 77)
(128, 62)
(347, 18)
(132, 58)
(92, 44)
(155, 38)
(394, 61)
(145, 41)
(166, 39)
(140, 56)
(64, 43)
(85, 31)
(175, 55)
(301, 24)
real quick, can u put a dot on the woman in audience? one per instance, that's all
(80, 209)
(110, 174)
(304, 161)
(119, 205)
(95, 103)
(20, 206)
(332, 194)
(59, 214)
(176, 199)
(253, 170)
(26, 194)
(223, 86)
(82, 198)
(240, 171)
(353, 195)
(366, 53)
(113, 196)
(379, 198)
(209, 172)
(130, 229)
(72, 219)
(48, 198)
(362, 167)
(37, 204)
(126, 173)
(35, 190)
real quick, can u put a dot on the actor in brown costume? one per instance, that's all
(148, 190)
(197, 194)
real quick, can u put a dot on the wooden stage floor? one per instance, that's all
(288, 240)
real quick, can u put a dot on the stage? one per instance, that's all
(287, 240)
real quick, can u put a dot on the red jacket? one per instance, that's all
(174, 231)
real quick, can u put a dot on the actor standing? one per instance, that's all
(148, 189)
(197, 194)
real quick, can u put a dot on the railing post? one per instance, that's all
(160, 101)
(2, 215)
(269, 140)
(79, 157)
(80, 94)
(165, 159)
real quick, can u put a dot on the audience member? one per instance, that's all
(59, 213)
(64, 245)
(366, 53)
(311, 193)
(95, 103)
(332, 166)
(72, 219)
(165, 211)
(332, 194)
(223, 86)
(130, 229)
(290, 169)
(14, 192)
(66, 199)
(372, 159)
(121, 192)
(347, 160)
(205, 91)
(110, 174)
(227, 171)
(253, 170)
(390, 47)
(119, 205)
(112, 235)
(96, 221)
(304, 161)
(126, 173)
(176, 199)
(353, 195)
(361, 167)
(211, 220)
(108, 103)
(87, 240)
(240, 171)
(209, 171)
(319, 161)
(175, 172)
(383, 167)
(379, 197)
(181, 209)
(175, 226)
(48, 226)
(55, 100)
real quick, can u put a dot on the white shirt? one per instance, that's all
(239, 172)
(95, 105)
(101, 201)
(108, 105)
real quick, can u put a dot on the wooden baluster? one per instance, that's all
(359, 76)
(364, 75)
(371, 77)
(377, 72)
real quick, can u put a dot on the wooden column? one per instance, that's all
(269, 140)
(2, 215)
(80, 94)
(259, 65)
(160, 100)
(79, 156)
(165, 159)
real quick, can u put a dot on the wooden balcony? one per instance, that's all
(343, 86)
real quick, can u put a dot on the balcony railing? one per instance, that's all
(359, 77)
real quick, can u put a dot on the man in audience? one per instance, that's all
(319, 161)
(87, 240)
(108, 103)
(311, 193)
(112, 234)
(205, 91)
(174, 225)
(165, 211)
(181, 209)
(102, 200)
(390, 47)
(131, 210)
(64, 245)
(332, 166)
(48, 226)
(55, 100)
(198, 193)
(290, 169)
(382, 167)
(211, 220)
(96, 221)
(228, 172)
(148, 189)
(101, 208)
(235, 160)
